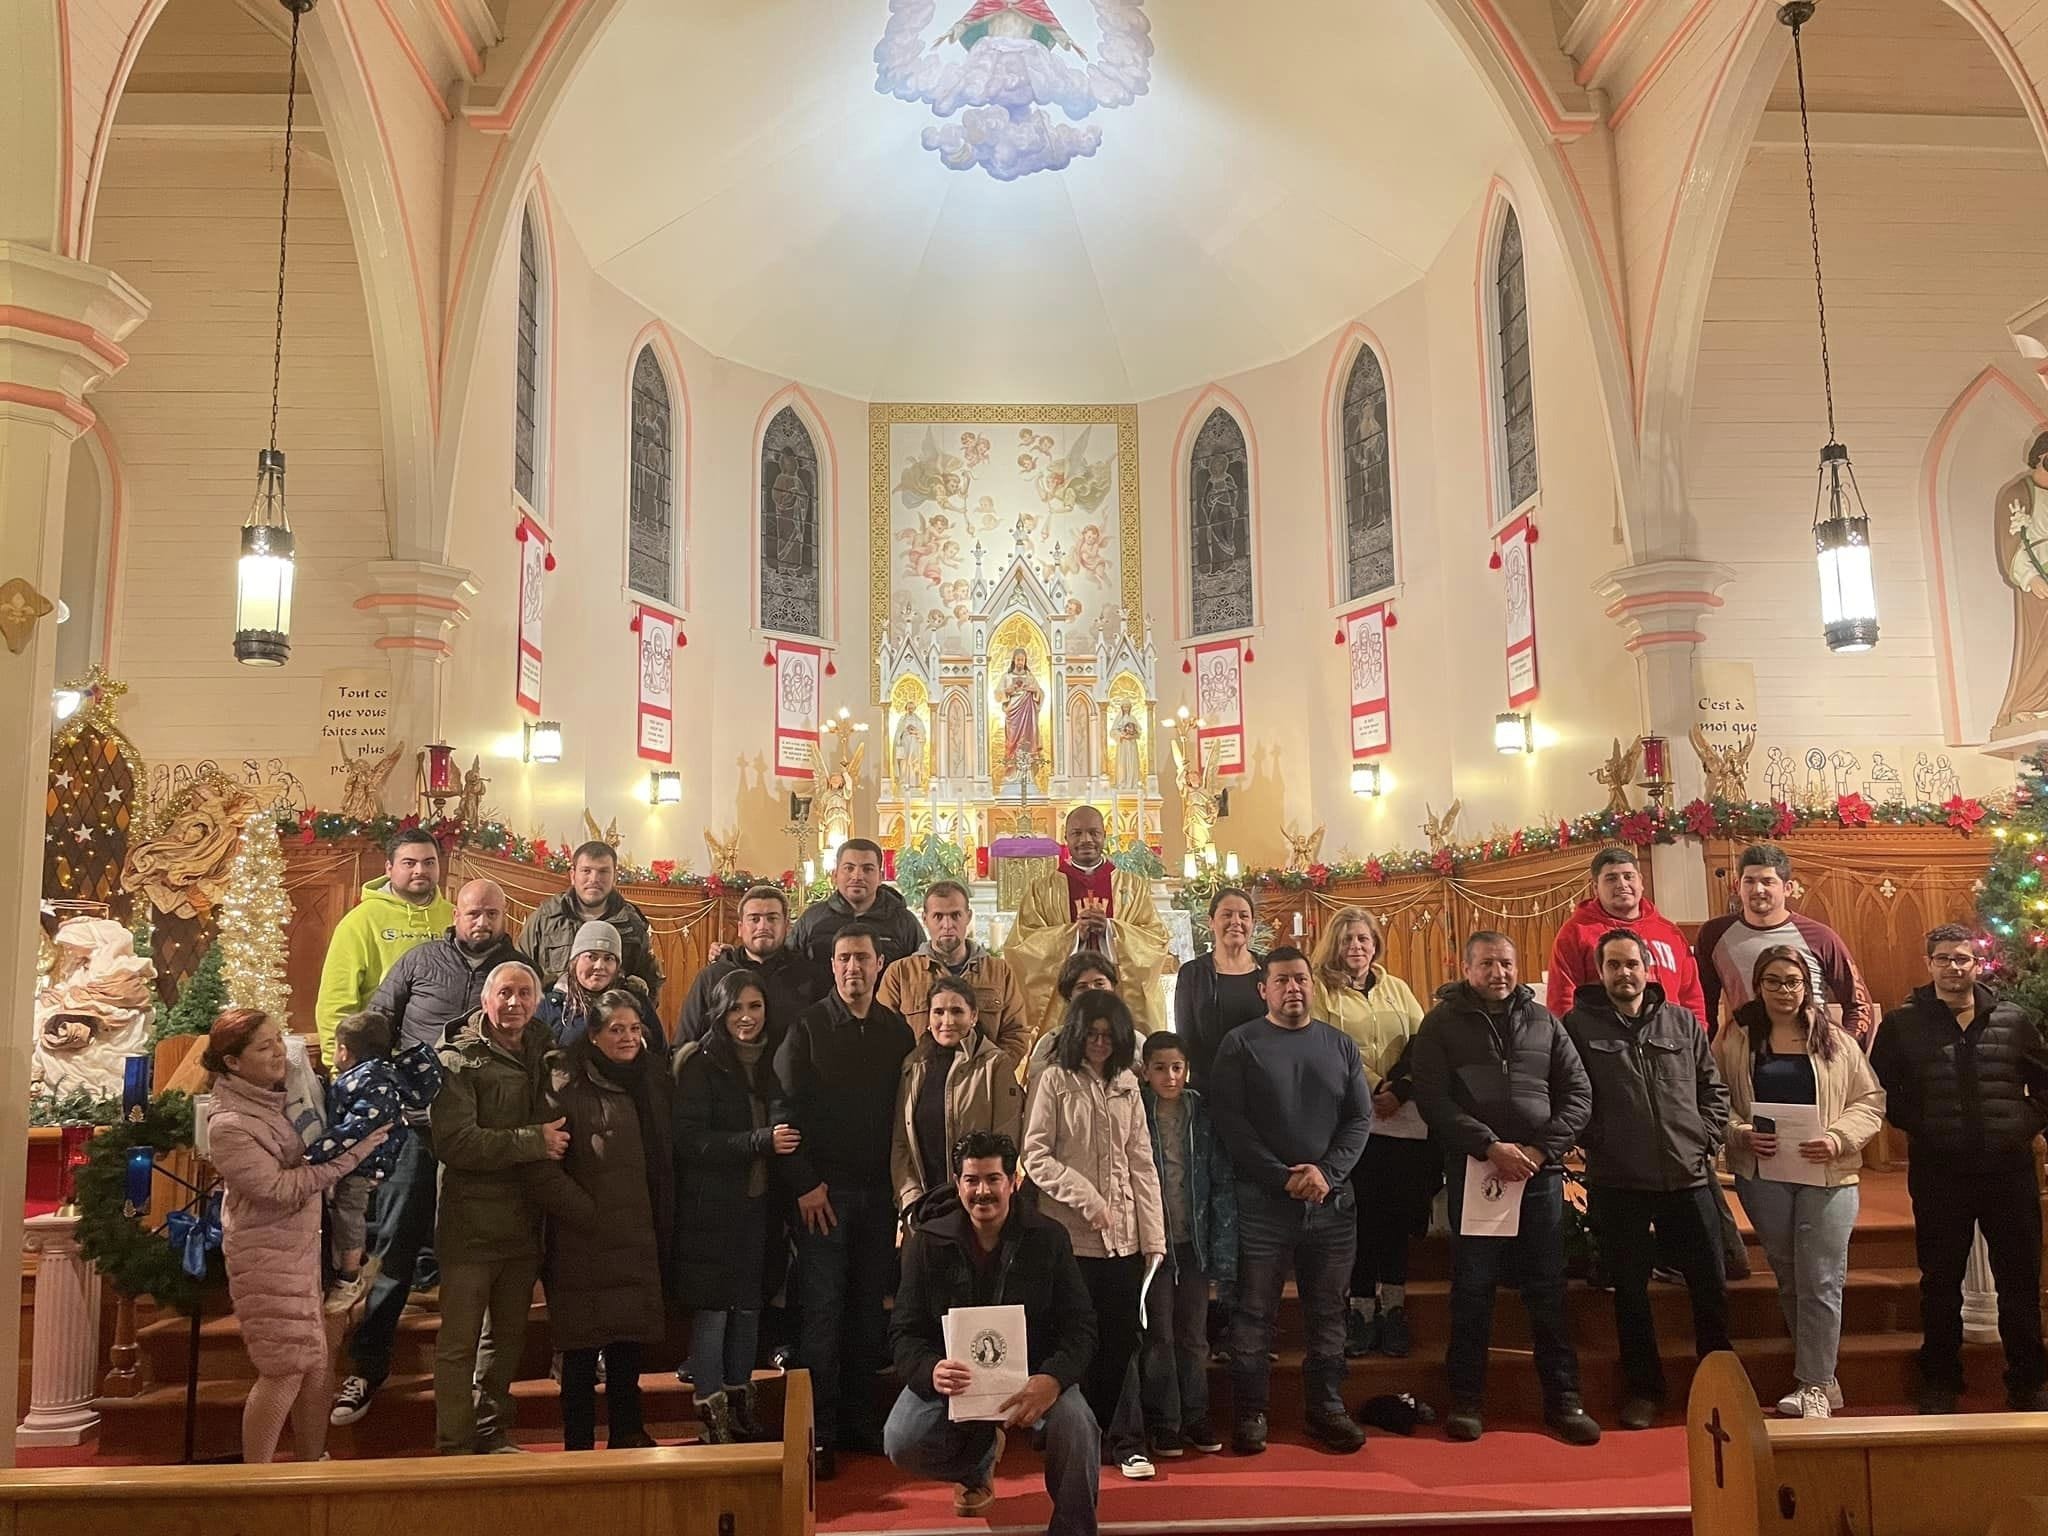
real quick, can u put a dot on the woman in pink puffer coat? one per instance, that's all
(270, 1223)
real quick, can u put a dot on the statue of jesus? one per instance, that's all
(1019, 695)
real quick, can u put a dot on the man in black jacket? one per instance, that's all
(858, 896)
(1965, 1075)
(431, 987)
(992, 1252)
(1501, 1085)
(763, 949)
(839, 1067)
(1660, 1111)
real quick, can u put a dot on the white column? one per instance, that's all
(65, 1368)
(1659, 604)
(419, 606)
(1980, 1295)
(61, 327)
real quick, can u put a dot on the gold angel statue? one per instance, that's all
(725, 852)
(1301, 851)
(469, 810)
(1199, 805)
(1441, 829)
(1726, 768)
(364, 778)
(609, 836)
(1617, 773)
(832, 792)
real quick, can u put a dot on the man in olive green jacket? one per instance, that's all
(501, 1170)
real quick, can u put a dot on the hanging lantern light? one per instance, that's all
(1841, 528)
(263, 577)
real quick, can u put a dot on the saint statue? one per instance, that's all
(1088, 903)
(909, 751)
(2022, 535)
(1019, 695)
(1129, 736)
(1014, 19)
(832, 792)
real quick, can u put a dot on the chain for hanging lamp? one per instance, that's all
(263, 576)
(1841, 528)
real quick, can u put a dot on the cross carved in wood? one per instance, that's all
(1720, 1437)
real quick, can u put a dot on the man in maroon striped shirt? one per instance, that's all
(1728, 945)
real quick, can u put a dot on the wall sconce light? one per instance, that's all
(1514, 731)
(1365, 780)
(543, 741)
(664, 787)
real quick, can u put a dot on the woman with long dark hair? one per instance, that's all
(1216, 992)
(1782, 1048)
(956, 1081)
(1088, 1150)
(730, 1128)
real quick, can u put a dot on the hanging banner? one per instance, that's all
(534, 563)
(1372, 718)
(1518, 576)
(1219, 700)
(658, 638)
(798, 681)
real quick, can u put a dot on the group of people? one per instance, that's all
(860, 1106)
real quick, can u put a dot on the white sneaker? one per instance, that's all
(1137, 1467)
(1813, 1403)
(1788, 1405)
(344, 1295)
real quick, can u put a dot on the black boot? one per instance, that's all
(715, 1413)
(739, 1403)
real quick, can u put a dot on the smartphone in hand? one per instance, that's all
(1765, 1124)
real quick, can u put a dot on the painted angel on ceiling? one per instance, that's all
(1010, 19)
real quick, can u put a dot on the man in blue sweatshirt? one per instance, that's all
(1289, 1098)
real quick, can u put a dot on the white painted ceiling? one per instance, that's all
(730, 164)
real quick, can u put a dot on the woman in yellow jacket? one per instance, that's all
(1402, 1169)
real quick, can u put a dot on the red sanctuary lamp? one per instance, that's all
(438, 780)
(71, 1144)
(1656, 780)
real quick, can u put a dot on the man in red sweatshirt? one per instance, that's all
(1618, 902)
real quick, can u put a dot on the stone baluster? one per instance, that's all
(65, 1364)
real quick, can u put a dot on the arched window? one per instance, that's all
(529, 439)
(1368, 480)
(1519, 481)
(651, 504)
(791, 600)
(1219, 528)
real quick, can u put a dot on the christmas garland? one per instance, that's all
(136, 1259)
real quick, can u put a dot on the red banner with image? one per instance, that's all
(799, 680)
(534, 563)
(1372, 716)
(659, 635)
(1518, 581)
(1219, 701)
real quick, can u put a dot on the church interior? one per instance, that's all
(1374, 454)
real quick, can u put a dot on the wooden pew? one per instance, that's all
(1933, 1475)
(727, 1490)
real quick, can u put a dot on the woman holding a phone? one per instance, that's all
(1783, 1050)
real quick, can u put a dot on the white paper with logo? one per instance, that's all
(991, 1341)
(1492, 1206)
(1796, 1123)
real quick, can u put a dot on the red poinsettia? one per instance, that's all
(663, 870)
(1783, 818)
(1564, 834)
(1319, 875)
(541, 852)
(306, 832)
(1963, 814)
(1375, 871)
(1700, 820)
(1443, 861)
(788, 880)
(1515, 842)
(1852, 810)
(712, 884)
(1638, 827)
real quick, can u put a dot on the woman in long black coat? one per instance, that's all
(729, 1128)
(605, 1277)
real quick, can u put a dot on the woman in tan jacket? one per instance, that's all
(1088, 1149)
(1782, 1048)
(957, 1080)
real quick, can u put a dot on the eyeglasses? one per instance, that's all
(1785, 983)
(1960, 962)
(1100, 1034)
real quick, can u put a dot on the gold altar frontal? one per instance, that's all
(1014, 876)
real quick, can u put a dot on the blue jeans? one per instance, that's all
(722, 1346)
(921, 1440)
(1805, 1232)
(403, 1227)
(1276, 1232)
(1538, 1250)
(845, 1278)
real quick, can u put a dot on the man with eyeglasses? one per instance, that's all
(1965, 1076)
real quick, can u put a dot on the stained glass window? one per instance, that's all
(1368, 480)
(790, 589)
(1219, 527)
(651, 508)
(1517, 395)
(526, 443)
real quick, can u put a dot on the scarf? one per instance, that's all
(750, 1053)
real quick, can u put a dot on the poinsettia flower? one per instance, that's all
(1783, 819)
(1637, 827)
(1515, 843)
(1700, 820)
(1375, 871)
(1443, 861)
(1852, 810)
(1963, 814)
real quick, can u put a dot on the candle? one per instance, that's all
(810, 873)
(135, 1071)
(136, 1187)
(1190, 868)
(71, 1142)
(1231, 868)
(1654, 758)
(1297, 925)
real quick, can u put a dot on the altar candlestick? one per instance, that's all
(1190, 868)
(1231, 868)
(1297, 925)
(137, 1185)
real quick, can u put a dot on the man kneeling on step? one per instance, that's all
(994, 1252)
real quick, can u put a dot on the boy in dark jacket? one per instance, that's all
(372, 1089)
(1660, 1112)
(1965, 1075)
(993, 1252)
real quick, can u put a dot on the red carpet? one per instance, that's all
(1638, 1479)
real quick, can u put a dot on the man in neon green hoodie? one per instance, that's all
(404, 908)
